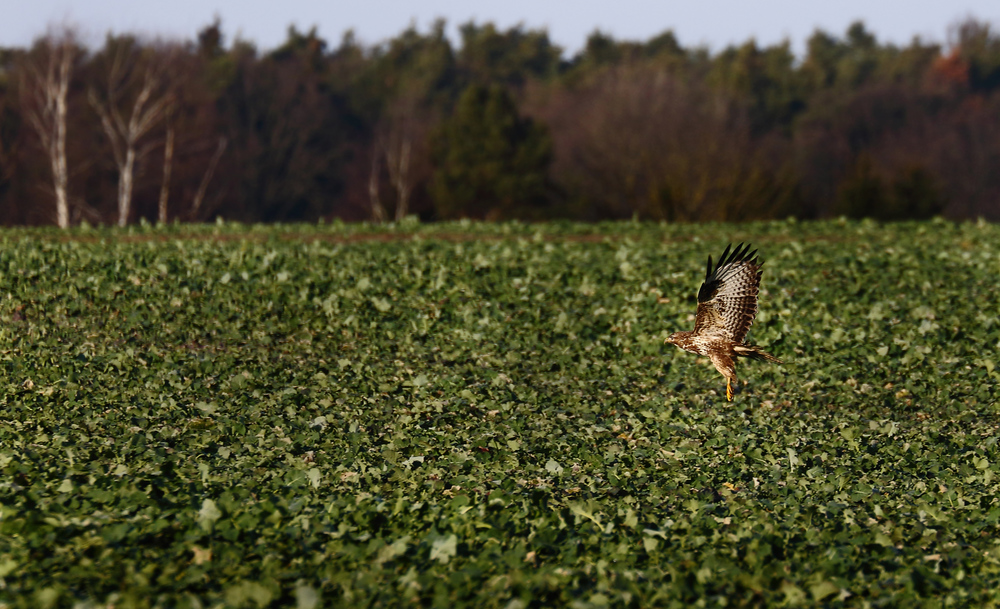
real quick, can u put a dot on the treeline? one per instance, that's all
(502, 126)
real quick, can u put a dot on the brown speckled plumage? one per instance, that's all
(727, 306)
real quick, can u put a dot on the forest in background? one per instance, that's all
(503, 125)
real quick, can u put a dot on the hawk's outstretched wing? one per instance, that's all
(727, 301)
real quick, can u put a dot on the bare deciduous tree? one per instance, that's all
(125, 128)
(401, 137)
(397, 156)
(378, 210)
(638, 140)
(8, 153)
(199, 196)
(46, 89)
(168, 164)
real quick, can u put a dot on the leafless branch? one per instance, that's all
(168, 162)
(378, 211)
(149, 108)
(200, 194)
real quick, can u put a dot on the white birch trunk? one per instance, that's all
(125, 187)
(47, 113)
(60, 170)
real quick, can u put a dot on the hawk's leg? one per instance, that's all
(724, 363)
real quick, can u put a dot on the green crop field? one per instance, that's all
(486, 415)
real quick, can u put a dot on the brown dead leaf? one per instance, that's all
(201, 556)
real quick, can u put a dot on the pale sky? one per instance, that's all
(715, 23)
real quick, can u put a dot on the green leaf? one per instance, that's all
(208, 514)
(823, 589)
(394, 550)
(444, 549)
(48, 597)
(793, 594)
(247, 592)
(206, 407)
(306, 597)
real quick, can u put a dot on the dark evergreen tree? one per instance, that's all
(288, 133)
(766, 78)
(490, 162)
(979, 45)
(862, 194)
(491, 56)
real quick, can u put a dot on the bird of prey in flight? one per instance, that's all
(727, 306)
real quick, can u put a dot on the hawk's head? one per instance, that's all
(683, 340)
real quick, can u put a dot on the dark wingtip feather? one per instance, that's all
(745, 255)
(738, 253)
(725, 252)
(730, 257)
(741, 254)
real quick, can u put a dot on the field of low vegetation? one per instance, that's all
(485, 415)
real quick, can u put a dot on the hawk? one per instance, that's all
(727, 306)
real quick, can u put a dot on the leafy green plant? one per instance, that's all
(485, 414)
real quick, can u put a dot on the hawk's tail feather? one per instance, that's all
(755, 352)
